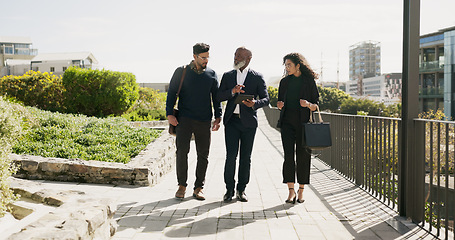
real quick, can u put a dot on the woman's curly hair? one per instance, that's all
(305, 68)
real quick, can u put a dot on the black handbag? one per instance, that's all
(175, 112)
(317, 134)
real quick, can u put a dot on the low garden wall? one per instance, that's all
(146, 169)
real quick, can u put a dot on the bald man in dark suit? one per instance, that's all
(240, 120)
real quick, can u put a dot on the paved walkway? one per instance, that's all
(334, 208)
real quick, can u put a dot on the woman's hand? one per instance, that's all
(305, 103)
(280, 104)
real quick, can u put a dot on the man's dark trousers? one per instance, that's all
(202, 134)
(236, 134)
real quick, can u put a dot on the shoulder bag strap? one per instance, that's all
(318, 112)
(181, 82)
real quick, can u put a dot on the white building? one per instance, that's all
(59, 62)
(15, 49)
(384, 88)
(56, 63)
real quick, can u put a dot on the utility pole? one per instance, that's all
(322, 70)
(338, 72)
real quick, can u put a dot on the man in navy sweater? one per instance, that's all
(240, 120)
(196, 99)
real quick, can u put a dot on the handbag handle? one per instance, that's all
(181, 82)
(319, 112)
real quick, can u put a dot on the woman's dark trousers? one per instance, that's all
(297, 159)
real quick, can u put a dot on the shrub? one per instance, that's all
(143, 114)
(433, 115)
(149, 107)
(36, 89)
(273, 95)
(10, 129)
(99, 92)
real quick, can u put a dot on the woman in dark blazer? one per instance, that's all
(297, 96)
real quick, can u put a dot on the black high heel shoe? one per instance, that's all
(292, 200)
(300, 200)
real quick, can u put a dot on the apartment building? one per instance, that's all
(437, 71)
(364, 61)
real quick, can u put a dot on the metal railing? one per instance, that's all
(366, 150)
(438, 173)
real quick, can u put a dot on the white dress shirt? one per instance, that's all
(241, 76)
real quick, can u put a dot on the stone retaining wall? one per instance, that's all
(157, 159)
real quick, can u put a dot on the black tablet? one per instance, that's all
(242, 97)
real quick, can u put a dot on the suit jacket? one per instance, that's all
(254, 85)
(308, 91)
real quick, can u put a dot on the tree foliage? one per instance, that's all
(331, 99)
(335, 100)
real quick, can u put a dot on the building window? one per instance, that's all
(52, 69)
(64, 68)
(8, 49)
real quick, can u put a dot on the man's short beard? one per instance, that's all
(239, 65)
(202, 65)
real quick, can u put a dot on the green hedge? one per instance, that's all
(99, 92)
(36, 89)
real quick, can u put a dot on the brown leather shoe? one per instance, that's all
(198, 194)
(180, 192)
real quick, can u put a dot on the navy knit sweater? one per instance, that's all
(197, 96)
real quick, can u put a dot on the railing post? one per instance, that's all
(419, 200)
(410, 96)
(359, 150)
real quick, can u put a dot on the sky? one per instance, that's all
(151, 38)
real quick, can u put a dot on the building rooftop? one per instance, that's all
(369, 42)
(64, 56)
(24, 40)
(439, 32)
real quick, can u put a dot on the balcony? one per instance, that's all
(433, 66)
(431, 92)
(19, 51)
